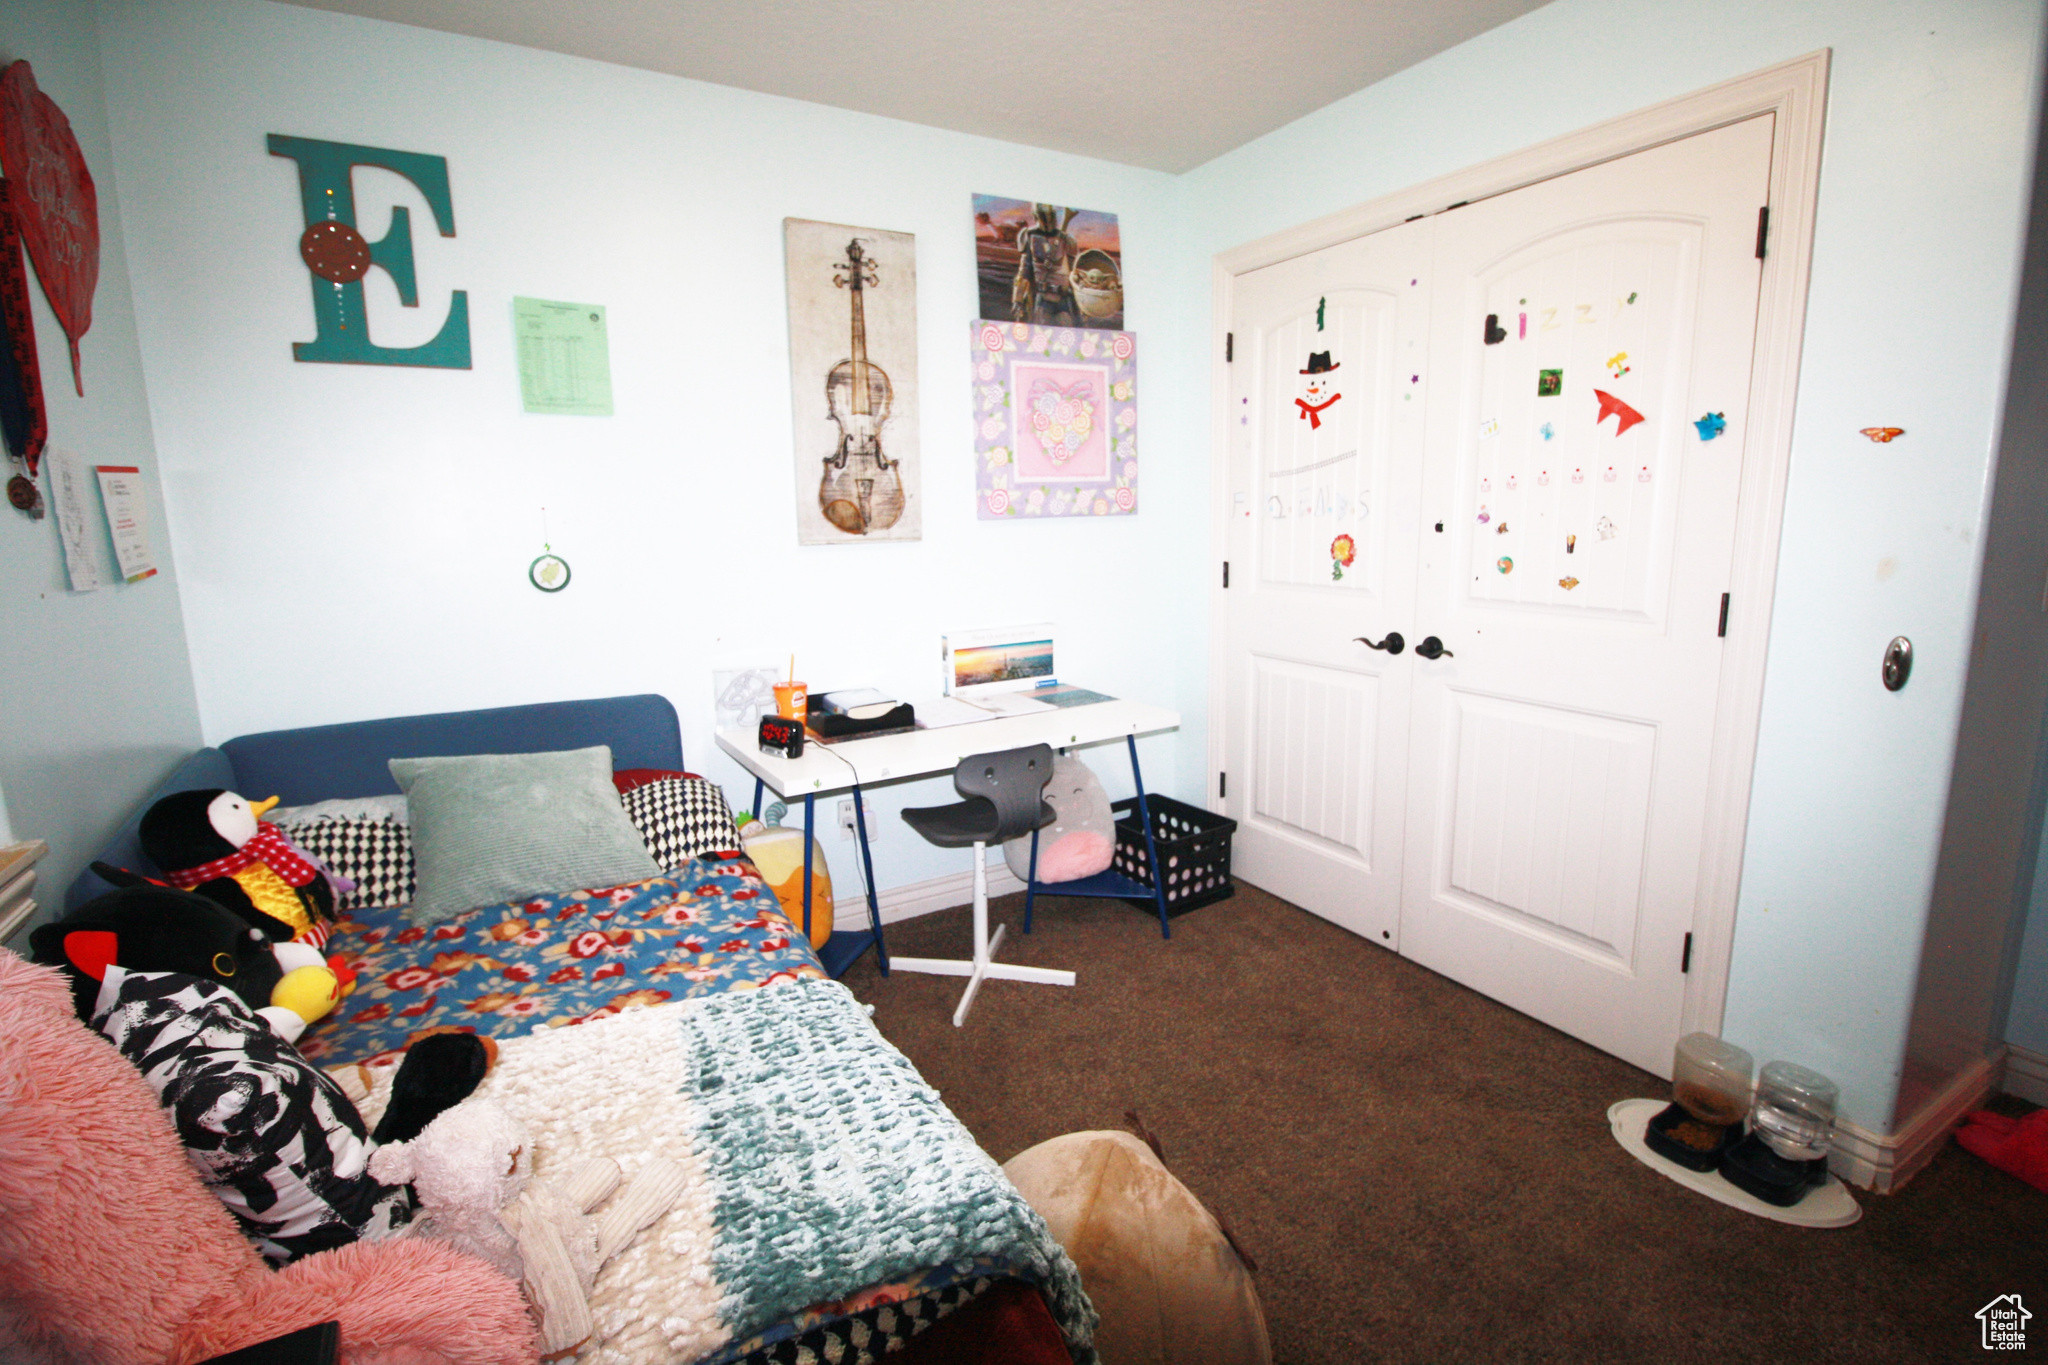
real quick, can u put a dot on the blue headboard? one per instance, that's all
(326, 762)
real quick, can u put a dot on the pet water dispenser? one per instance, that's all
(1791, 1126)
(1710, 1096)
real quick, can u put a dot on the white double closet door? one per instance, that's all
(1516, 427)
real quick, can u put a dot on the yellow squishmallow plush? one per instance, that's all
(779, 852)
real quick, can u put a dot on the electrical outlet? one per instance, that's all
(846, 827)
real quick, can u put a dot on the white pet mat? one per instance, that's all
(1826, 1206)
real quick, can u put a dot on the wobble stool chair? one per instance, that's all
(1005, 799)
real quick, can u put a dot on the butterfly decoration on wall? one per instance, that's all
(1883, 435)
(1062, 416)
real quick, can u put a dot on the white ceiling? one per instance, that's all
(1167, 84)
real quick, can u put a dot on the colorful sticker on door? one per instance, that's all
(1505, 564)
(1710, 425)
(1624, 415)
(1319, 388)
(1549, 384)
(1343, 550)
(1567, 583)
(1617, 364)
(1883, 435)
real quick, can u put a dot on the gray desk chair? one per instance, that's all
(1004, 794)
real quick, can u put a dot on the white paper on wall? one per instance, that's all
(121, 491)
(77, 530)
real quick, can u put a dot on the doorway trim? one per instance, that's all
(1796, 93)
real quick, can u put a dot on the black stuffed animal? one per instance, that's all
(217, 843)
(148, 928)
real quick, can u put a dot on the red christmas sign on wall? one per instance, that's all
(55, 202)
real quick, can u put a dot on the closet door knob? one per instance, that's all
(1393, 644)
(1433, 648)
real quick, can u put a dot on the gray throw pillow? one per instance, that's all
(498, 827)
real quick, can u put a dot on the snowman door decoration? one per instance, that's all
(1319, 388)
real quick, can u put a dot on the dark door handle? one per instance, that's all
(1393, 644)
(1433, 648)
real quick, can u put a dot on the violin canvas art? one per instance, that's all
(853, 382)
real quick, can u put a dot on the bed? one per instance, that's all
(835, 1209)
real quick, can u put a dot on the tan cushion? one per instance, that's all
(1154, 1261)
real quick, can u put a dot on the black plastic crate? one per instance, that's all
(1194, 847)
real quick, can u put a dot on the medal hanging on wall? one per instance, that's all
(550, 572)
(23, 420)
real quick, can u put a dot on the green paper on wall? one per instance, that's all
(565, 364)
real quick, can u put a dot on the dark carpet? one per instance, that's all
(1422, 1174)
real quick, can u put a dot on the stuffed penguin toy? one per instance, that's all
(148, 928)
(218, 844)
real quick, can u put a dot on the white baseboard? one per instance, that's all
(1884, 1162)
(2026, 1073)
(923, 898)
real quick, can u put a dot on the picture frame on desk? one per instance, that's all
(998, 659)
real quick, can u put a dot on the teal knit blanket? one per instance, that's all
(833, 1166)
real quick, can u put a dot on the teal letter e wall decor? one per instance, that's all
(339, 257)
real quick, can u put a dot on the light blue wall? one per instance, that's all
(1990, 834)
(1921, 213)
(97, 686)
(388, 515)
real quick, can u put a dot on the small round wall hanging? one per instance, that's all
(549, 573)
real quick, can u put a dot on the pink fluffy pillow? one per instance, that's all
(111, 1249)
(1072, 856)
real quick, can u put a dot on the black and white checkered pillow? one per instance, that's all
(681, 817)
(374, 853)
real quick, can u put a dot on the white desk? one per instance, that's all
(830, 769)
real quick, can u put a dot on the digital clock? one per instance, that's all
(780, 735)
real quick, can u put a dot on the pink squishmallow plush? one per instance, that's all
(1082, 841)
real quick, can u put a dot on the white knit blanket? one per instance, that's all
(819, 1163)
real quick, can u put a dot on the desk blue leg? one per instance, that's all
(860, 818)
(810, 803)
(1151, 846)
(757, 798)
(1031, 882)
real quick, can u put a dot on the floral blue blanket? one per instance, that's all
(706, 928)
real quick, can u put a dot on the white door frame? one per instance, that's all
(1796, 92)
